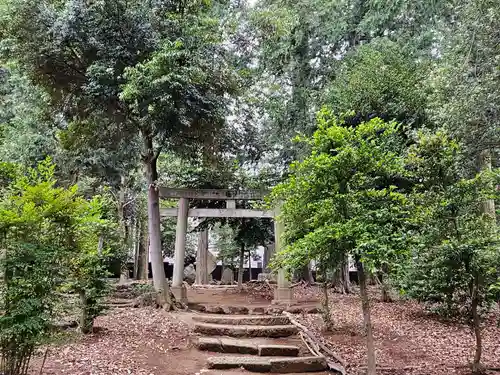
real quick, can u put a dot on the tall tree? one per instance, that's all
(160, 83)
(343, 190)
(464, 96)
(380, 79)
(27, 134)
(301, 51)
(455, 259)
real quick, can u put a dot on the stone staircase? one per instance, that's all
(259, 343)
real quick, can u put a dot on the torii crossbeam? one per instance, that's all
(283, 293)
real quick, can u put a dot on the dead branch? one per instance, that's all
(306, 342)
(316, 352)
(310, 335)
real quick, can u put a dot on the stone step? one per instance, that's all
(221, 345)
(270, 364)
(248, 320)
(224, 345)
(272, 350)
(245, 330)
(257, 310)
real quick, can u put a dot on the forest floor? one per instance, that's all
(148, 341)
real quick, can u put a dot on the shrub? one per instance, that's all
(48, 240)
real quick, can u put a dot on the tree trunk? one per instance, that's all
(386, 295)
(123, 232)
(86, 323)
(386, 289)
(365, 304)
(345, 275)
(327, 318)
(202, 258)
(305, 274)
(250, 265)
(240, 269)
(143, 253)
(341, 277)
(476, 365)
(268, 256)
(337, 280)
(308, 276)
(484, 164)
(3, 258)
(159, 280)
(135, 246)
(100, 245)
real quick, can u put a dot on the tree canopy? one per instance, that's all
(373, 122)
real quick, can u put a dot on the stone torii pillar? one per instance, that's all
(178, 288)
(283, 293)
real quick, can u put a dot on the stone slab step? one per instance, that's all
(245, 330)
(278, 350)
(270, 364)
(312, 308)
(221, 345)
(299, 364)
(259, 320)
(224, 345)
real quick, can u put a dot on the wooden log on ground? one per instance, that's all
(318, 347)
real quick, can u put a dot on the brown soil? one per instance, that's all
(407, 340)
(226, 297)
(147, 341)
(245, 298)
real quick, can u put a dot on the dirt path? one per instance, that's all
(141, 341)
(148, 341)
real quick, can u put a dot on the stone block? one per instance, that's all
(278, 350)
(259, 320)
(180, 293)
(227, 276)
(238, 346)
(255, 364)
(238, 310)
(258, 311)
(298, 364)
(283, 295)
(244, 330)
(210, 309)
(209, 344)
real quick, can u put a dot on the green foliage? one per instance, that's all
(48, 241)
(8, 173)
(128, 79)
(114, 75)
(463, 95)
(230, 237)
(26, 132)
(341, 199)
(304, 56)
(455, 244)
(87, 269)
(140, 289)
(380, 79)
(228, 248)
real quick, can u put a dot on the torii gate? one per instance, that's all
(283, 293)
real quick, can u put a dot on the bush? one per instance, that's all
(49, 240)
(27, 302)
(455, 267)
